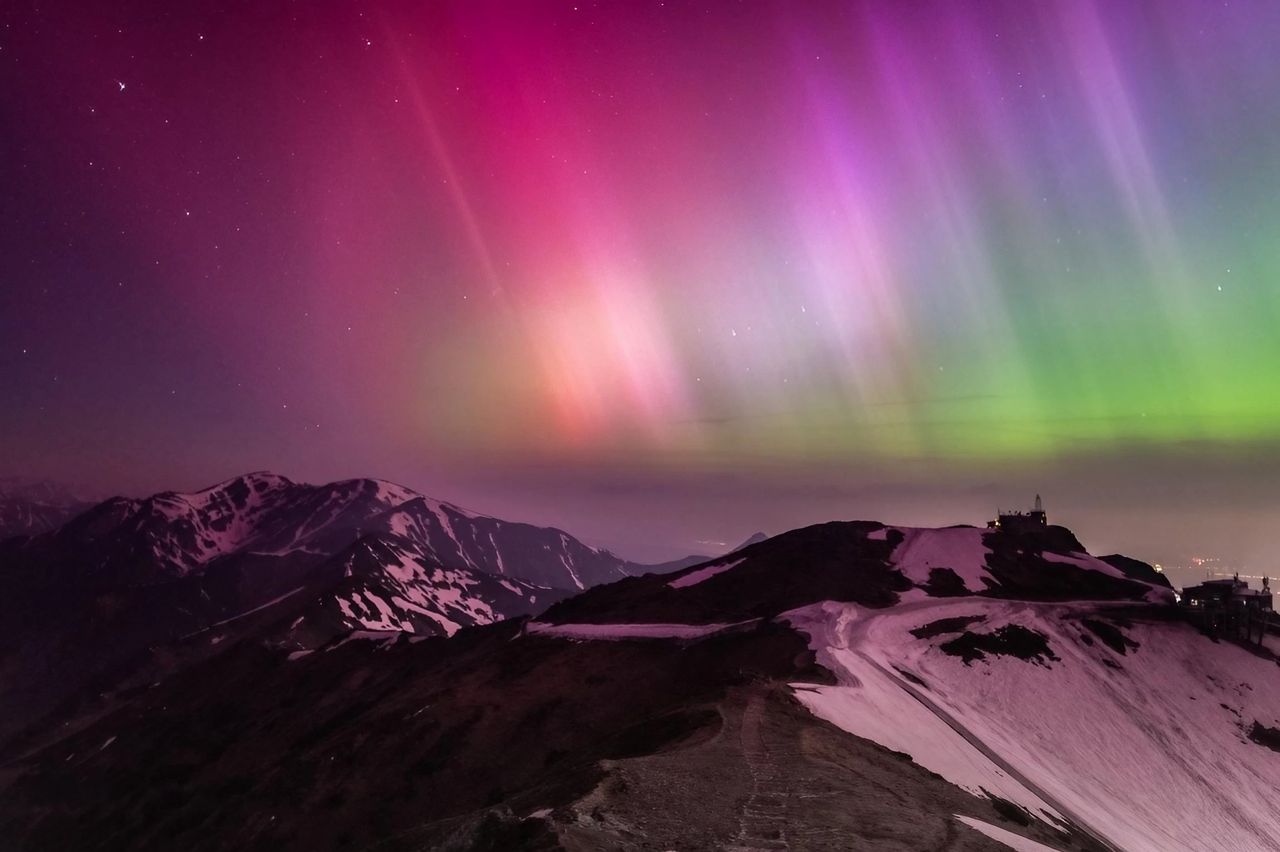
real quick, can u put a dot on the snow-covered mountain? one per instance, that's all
(260, 555)
(173, 534)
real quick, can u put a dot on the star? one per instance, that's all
(120, 83)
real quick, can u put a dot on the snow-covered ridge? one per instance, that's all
(874, 565)
(1084, 736)
(1085, 561)
(394, 586)
(693, 578)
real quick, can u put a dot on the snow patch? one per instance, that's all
(1085, 561)
(1016, 842)
(702, 574)
(961, 549)
(383, 638)
(614, 632)
(497, 553)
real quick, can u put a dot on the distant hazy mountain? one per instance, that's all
(170, 535)
(32, 507)
(693, 559)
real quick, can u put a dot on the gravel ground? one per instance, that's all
(774, 777)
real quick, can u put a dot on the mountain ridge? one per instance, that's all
(771, 693)
(104, 592)
(596, 724)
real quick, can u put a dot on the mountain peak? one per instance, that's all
(258, 480)
(754, 538)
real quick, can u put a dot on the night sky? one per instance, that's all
(659, 273)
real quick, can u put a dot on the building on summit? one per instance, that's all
(1018, 521)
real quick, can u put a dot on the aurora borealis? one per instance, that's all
(623, 264)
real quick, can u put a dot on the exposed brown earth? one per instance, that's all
(777, 778)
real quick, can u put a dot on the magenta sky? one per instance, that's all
(660, 273)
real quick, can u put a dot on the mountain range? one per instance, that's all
(844, 685)
(125, 587)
